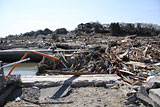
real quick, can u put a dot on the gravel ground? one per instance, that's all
(80, 97)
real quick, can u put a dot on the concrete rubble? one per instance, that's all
(148, 93)
(154, 94)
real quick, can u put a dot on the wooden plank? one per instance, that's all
(71, 73)
(137, 64)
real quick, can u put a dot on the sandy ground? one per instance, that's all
(80, 97)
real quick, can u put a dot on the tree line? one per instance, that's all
(44, 32)
(120, 29)
(141, 29)
(114, 29)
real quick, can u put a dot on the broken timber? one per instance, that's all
(71, 73)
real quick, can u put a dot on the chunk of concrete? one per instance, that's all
(145, 100)
(153, 82)
(75, 81)
(143, 91)
(154, 94)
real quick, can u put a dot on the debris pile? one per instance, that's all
(133, 58)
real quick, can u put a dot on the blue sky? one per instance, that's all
(20, 16)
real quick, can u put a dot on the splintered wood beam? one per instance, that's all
(71, 73)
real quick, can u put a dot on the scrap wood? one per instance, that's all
(155, 67)
(131, 37)
(63, 64)
(63, 56)
(125, 67)
(118, 58)
(125, 79)
(141, 78)
(72, 73)
(156, 49)
(133, 77)
(157, 64)
(140, 64)
(145, 52)
(124, 54)
(128, 72)
(81, 51)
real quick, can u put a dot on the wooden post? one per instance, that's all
(2, 79)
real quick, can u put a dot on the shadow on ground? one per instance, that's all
(62, 89)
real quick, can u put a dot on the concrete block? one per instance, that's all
(153, 82)
(145, 100)
(75, 81)
(154, 94)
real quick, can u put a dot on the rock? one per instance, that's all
(143, 91)
(145, 100)
(31, 94)
(142, 96)
(153, 82)
(131, 93)
(131, 99)
(154, 94)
